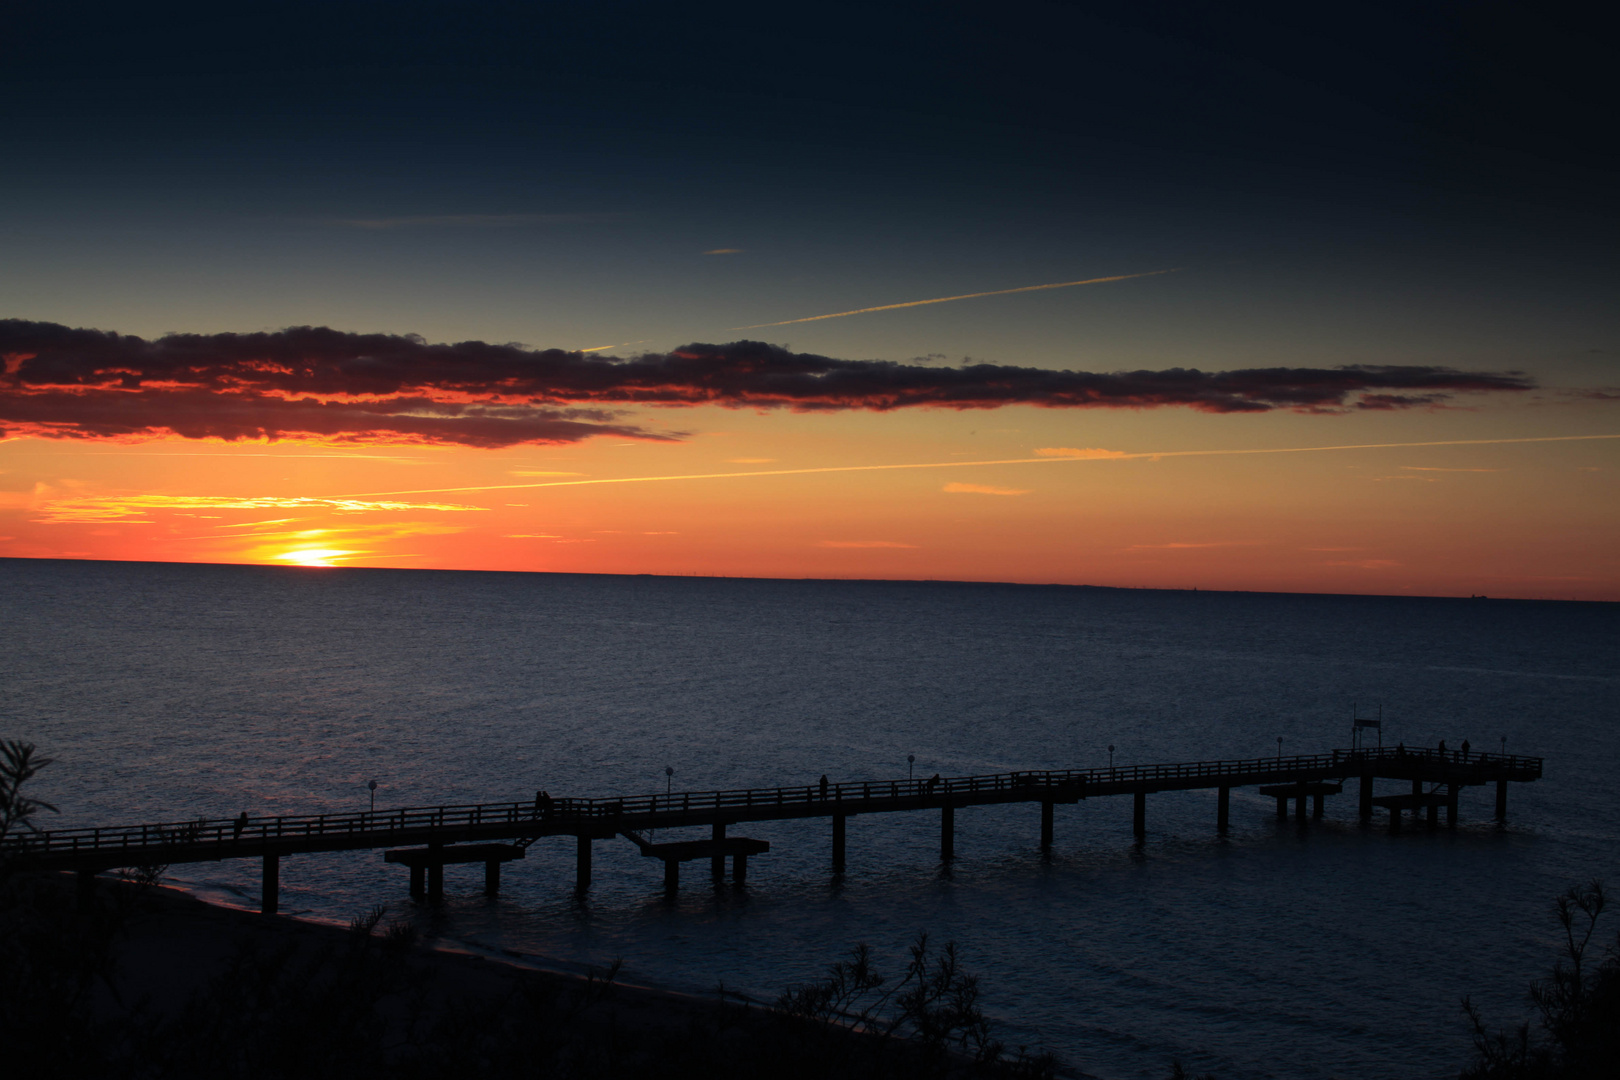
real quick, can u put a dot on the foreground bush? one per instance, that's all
(1576, 1031)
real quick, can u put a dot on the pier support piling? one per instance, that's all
(582, 864)
(717, 863)
(672, 875)
(1046, 825)
(435, 872)
(1316, 807)
(947, 833)
(418, 876)
(1366, 796)
(1139, 815)
(270, 885)
(1299, 803)
(739, 869)
(1451, 805)
(492, 877)
(1501, 800)
(1223, 810)
(838, 843)
(1282, 808)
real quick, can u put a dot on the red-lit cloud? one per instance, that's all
(314, 382)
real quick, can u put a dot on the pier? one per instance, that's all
(426, 839)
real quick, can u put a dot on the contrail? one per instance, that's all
(948, 299)
(620, 345)
(1048, 460)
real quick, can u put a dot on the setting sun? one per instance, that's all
(313, 556)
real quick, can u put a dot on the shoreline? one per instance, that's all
(177, 923)
(181, 965)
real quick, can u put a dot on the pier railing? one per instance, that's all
(547, 816)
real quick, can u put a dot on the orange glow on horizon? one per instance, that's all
(1229, 503)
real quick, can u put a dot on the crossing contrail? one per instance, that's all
(948, 299)
(1049, 459)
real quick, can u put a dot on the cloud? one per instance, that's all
(131, 508)
(540, 472)
(1150, 455)
(323, 384)
(473, 221)
(983, 489)
(863, 544)
(1367, 564)
(1436, 468)
(724, 251)
(1183, 545)
(749, 460)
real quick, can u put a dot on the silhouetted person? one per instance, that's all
(823, 787)
(1442, 749)
(1400, 749)
(1465, 749)
(933, 782)
(542, 804)
(238, 825)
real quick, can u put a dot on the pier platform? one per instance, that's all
(496, 833)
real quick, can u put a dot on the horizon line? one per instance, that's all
(874, 580)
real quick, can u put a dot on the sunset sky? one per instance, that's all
(1328, 301)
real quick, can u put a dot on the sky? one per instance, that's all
(1168, 296)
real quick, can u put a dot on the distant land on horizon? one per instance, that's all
(831, 580)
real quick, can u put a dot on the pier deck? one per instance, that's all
(93, 850)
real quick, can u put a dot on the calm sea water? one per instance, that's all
(170, 691)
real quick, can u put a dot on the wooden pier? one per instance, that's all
(475, 833)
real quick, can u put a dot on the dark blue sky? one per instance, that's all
(553, 172)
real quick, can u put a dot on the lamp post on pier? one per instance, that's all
(372, 784)
(912, 758)
(1110, 757)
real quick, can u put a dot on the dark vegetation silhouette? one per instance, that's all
(18, 765)
(1575, 1034)
(369, 1003)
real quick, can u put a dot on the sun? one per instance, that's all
(313, 556)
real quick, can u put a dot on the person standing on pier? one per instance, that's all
(823, 787)
(1465, 750)
(238, 825)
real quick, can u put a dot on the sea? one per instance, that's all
(166, 692)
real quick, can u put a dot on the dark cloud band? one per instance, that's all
(314, 381)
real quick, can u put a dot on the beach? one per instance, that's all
(181, 987)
